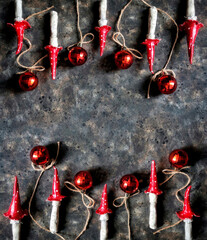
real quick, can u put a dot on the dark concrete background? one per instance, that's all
(105, 123)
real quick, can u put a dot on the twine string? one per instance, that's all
(118, 34)
(133, 51)
(124, 202)
(120, 15)
(34, 14)
(172, 172)
(164, 228)
(88, 205)
(42, 169)
(82, 38)
(34, 67)
(81, 42)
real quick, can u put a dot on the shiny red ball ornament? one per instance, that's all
(123, 59)
(28, 81)
(178, 158)
(77, 56)
(167, 84)
(129, 184)
(39, 155)
(83, 180)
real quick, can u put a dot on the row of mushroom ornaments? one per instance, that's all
(16, 213)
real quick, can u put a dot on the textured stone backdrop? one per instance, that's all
(101, 116)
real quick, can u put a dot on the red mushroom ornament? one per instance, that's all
(151, 42)
(15, 212)
(103, 211)
(55, 198)
(153, 191)
(19, 25)
(53, 48)
(187, 215)
(191, 27)
(103, 28)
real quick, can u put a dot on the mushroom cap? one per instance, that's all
(56, 193)
(53, 55)
(191, 28)
(186, 213)
(15, 211)
(103, 209)
(103, 30)
(153, 187)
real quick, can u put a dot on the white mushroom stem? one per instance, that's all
(191, 10)
(103, 10)
(153, 211)
(54, 220)
(104, 227)
(16, 226)
(188, 229)
(152, 21)
(54, 27)
(18, 10)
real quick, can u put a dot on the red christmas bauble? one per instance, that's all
(167, 84)
(178, 158)
(77, 56)
(83, 180)
(39, 155)
(123, 59)
(129, 183)
(28, 81)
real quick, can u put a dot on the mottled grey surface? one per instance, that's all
(105, 123)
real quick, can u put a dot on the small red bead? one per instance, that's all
(77, 56)
(39, 155)
(178, 158)
(167, 84)
(28, 81)
(83, 180)
(123, 59)
(129, 184)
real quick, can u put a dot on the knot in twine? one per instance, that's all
(88, 205)
(124, 202)
(33, 67)
(154, 78)
(82, 38)
(81, 42)
(133, 51)
(43, 169)
(172, 172)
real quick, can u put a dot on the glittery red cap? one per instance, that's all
(153, 187)
(56, 194)
(191, 28)
(186, 212)
(15, 211)
(103, 30)
(103, 209)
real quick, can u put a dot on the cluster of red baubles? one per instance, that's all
(167, 84)
(39, 155)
